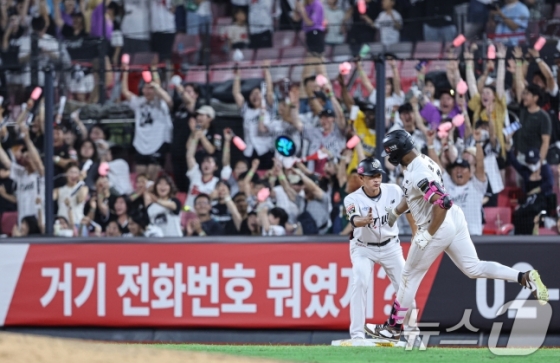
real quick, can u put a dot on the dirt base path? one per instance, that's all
(19, 348)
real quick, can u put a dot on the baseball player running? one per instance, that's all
(372, 240)
(441, 227)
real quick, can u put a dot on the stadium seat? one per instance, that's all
(283, 39)
(547, 232)
(182, 196)
(498, 220)
(218, 76)
(297, 52)
(400, 48)
(9, 220)
(196, 75)
(272, 54)
(279, 73)
(251, 73)
(420, 54)
(342, 50)
(144, 58)
(248, 55)
(436, 66)
(132, 177)
(295, 73)
(556, 12)
(377, 48)
(221, 24)
(332, 70)
(509, 197)
(428, 47)
(185, 43)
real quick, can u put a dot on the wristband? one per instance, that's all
(250, 173)
(56, 159)
(202, 233)
(519, 63)
(281, 177)
(228, 199)
(431, 147)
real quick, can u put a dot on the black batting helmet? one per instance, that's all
(370, 166)
(396, 145)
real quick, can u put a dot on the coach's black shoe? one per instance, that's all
(383, 331)
(532, 280)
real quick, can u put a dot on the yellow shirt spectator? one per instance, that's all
(368, 140)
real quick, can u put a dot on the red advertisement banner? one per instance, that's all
(276, 285)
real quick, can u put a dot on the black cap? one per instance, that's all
(370, 166)
(327, 112)
(532, 156)
(461, 163)
(449, 91)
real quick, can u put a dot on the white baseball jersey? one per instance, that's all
(422, 167)
(358, 204)
(469, 198)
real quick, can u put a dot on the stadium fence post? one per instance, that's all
(380, 105)
(49, 150)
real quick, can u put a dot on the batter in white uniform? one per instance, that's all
(441, 227)
(372, 240)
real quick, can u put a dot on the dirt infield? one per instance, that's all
(18, 348)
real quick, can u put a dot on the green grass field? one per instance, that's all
(328, 354)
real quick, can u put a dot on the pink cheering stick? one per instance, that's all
(353, 142)
(442, 134)
(36, 93)
(147, 76)
(344, 68)
(125, 59)
(462, 87)
(446, 126)
(263, 194)
(362, 6)
(237, 141)
(458, 120)
(491, 51)
(321, 80)
(103, 169)
(539, 44)
(459, 40)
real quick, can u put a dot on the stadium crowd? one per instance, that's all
(489, 117)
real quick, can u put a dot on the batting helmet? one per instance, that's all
(370, 166)
(396, 145)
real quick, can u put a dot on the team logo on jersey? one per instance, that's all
(351, 209)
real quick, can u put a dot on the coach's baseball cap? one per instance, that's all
(208, 111)
(461, 163)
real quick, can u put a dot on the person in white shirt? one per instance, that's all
(394, 95)
(466, 190)
(372, 240)
(136, 26)
(336, 29)
(163, 208)
(256, 119)
(202, 179)
(273, 221)
(29, 175)
(72, 196)
(153, 127)
(237, 33)
(389, 22)
(162, 21)
(260, 23)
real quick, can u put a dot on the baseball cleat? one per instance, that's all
(383, 331)
(532, 280)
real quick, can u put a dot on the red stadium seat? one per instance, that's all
(509, 197)
(196, 75)
(251, 73)
(144, 58)
(547, 232)
(182, 196)
(185, 44)
(279, 73)
(498, 220)
(434, 47)
(272, 54)
(248, 55)
(297, 52)
(132, 177)
(437, 66)
(218, 76)
(283, 39)
(400, 47)
(9, 220)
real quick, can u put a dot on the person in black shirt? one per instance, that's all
(224, 209)
(61, 156)
(439, 27)
(204, 225)
(363, 27)
(8, 202)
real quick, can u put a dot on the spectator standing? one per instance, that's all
(510, 21)
(536, 128)
(162, 26)
(231, 176)
(202, 179)
(224, 210)
(477, 17)
(136, 26)
(312, 17)
(163, 208)
(199, 16)
(389, 22)
(8, 200)
(439, 27)
(363, 28)
(256, 113)
(72, 196)
(237, 33)
(336, 29)
(286, 9)
(260, 23)
(28, 174)
(97, 16)
(152, 127)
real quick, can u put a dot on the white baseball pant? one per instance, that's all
(452, 237)
(390, 257)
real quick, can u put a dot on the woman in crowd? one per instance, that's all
(119, 212)
(72, 196)
(163, 208)
(28, 227)
(88, 162)
(256, 113)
